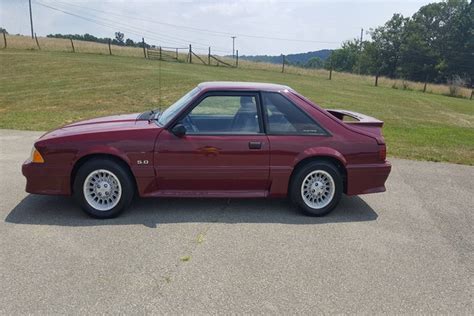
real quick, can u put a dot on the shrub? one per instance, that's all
(455, 85)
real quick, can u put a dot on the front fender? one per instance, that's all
(102, 150)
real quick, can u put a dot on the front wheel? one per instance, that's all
(316, 188)
(103, 188)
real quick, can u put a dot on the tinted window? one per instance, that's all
(284, 117)
(230, 114)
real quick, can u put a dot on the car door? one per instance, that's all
(224, 148)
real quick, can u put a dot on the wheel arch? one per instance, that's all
(321, 158)
(89, 157)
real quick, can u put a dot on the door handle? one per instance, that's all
(255, 145)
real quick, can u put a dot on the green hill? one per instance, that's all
(42, 90)
(300, 58)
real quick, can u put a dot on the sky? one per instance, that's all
(269, 27)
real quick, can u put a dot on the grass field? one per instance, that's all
(64, 45)
(42, 90)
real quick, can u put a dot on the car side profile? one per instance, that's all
(221, 139)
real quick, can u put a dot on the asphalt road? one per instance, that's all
(408, 250)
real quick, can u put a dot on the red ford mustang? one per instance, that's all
(221, 139)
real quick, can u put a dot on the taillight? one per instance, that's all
(382, 152)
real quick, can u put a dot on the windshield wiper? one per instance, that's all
(149, 115)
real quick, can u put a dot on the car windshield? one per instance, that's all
(170, 112)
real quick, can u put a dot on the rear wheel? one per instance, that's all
(103, 188)
(316, 188)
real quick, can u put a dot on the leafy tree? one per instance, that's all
(438, 42)
(345, 58)
(387, 41)
(2, 30)
(130, 42)
(370, 59)
(457, 41)
(435, 44)
(119, 37)
(314, 62)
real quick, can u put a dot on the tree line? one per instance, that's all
(436, 44)
(118, 40)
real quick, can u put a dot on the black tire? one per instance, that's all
(125, 181)
(300, 175)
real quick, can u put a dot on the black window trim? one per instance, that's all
(325, 132)
(203, 96)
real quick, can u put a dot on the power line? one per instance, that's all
(220, 33)
(114, 25)
(203, 45)
(111, 26)
(131, 29)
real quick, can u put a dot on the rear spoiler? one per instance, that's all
(361, 119)
(362, 123)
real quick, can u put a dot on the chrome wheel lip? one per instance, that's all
(318, 189)
(102, 190)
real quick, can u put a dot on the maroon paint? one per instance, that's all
(212, 166)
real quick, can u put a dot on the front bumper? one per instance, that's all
(43, 179)
(367, 178)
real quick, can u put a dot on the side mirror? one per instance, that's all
(179, 130)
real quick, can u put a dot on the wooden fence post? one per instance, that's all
(190, 54)
(377, 79)
(237, 59)
(330, 68)
(424, 86)
(472, 92)
(110, 49)
(209, 56)
(144, 48)
(4, 39)
(283, 63)
(177, 54)
(72, 45)
(37, 43)
(160, 53)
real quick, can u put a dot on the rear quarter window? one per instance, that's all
(283, 117)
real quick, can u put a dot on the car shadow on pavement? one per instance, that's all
(63, 211)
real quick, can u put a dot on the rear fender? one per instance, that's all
(281, 177)
(320, 151)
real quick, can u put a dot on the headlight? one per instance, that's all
(36, 156)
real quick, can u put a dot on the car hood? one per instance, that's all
(106, 119)
(100, 124)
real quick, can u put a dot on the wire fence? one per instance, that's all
(199, 56)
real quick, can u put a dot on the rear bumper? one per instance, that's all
(367, 178)
(41, 179)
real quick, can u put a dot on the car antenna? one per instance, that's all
(159, 84)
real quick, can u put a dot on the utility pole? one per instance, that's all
(360, 47)
(31, 21)
(233, 46)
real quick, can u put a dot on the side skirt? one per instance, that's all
(208, 194)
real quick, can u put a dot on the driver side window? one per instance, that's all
(224, 114)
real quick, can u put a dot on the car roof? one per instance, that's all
(236, 85)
